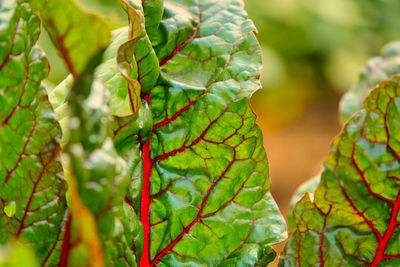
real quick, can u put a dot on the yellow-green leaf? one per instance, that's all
(77, 34)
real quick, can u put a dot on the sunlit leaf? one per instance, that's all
(32, 189)
(308, 186)
(377, 70)
(203, 174)
(354, 217)
(135, 69)
(186, 137)
(77, 34)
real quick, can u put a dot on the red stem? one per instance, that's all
(145, 202)
(65, 244)
(385, 240)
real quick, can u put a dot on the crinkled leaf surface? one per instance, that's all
(195, 155)
(308, 186)
(377, 69)
(203, 171)
(77, 34)
(32, 201)
(354, 218)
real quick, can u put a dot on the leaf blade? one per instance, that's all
(32, 187)
(77, 34)
(196, 97)
(357, 199)
(137, 63)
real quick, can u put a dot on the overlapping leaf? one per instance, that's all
(354, 218)
(102, 225)
(199, 174)
(204, 173)
(32, 201)
(136, 67)
(77, 34)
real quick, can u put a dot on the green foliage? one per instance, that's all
(32, 190)
(66, 24)
(17, 255)
(307, 187)
(98, 178)
(313, 47)
(164, 162)
(353, 218)
(377, 70)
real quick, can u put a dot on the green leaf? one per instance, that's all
(57, 98)
(377, 69)
(202, 170)
(17, 255)
(153, 12)
(139, 46)
(135, 69)
(98, 178)
(199, 173)
(308, 186)
(77, 34)
(32, 187)
(100, 117)
(354, 217)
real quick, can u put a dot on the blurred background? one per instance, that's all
(313, 51)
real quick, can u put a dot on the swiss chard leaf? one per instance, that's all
(199, 173)
(32, 188)
(153, 12)
(77, 34)
(377, 70)
(136, 61)
(203, 171)
(354, 218)
(308, 186)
